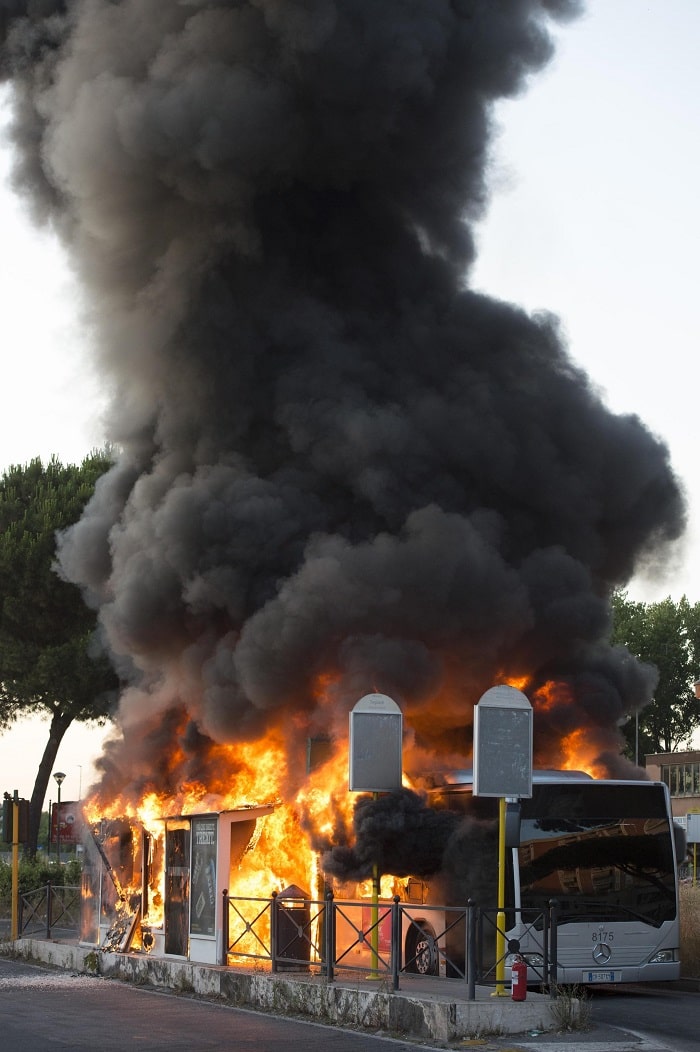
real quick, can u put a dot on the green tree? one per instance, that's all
(50, 661)
(667, 635)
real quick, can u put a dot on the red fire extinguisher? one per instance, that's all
(518, 972)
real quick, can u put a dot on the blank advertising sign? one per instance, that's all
(376, 732)
(503, 744)
(693, 828)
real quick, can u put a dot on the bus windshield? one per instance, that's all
(603, 851)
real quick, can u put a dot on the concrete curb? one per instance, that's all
(438, 1015)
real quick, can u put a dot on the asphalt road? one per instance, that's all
(660, 1014)
(623, 1019)
(42, 1010)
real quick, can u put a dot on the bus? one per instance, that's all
(608, 852)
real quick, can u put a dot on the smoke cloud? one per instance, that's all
(399, 833)
(335, 459)
(395, 832)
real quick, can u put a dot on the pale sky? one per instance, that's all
(594, 217)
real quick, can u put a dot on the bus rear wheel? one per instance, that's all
(421, 950)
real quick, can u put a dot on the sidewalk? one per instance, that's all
(424, 1009)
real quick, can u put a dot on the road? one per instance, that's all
(668, 1016)
(42, 1010)
(624, 1019)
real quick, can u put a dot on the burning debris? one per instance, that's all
(339, 469)
(107, 887)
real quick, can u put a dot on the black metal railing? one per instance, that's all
(538, 929)
(52, 908)
(389, 939)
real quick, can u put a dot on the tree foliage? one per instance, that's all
(35, 874)
(665, 634)
(50, 661)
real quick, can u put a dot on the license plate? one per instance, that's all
(601, 977)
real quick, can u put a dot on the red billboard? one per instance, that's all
(71, 819)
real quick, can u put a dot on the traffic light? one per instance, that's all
(7, 820)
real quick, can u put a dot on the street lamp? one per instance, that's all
(59, 776)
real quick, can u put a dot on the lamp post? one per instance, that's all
(59, 776)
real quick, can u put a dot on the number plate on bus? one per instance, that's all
(601, 977)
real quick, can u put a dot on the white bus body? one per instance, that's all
(608, 853)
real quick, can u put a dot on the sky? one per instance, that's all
(594, 216)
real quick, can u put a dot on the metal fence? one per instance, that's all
(538, 927)
(50, 909)
(385, 940)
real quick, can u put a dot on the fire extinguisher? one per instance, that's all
(518, 972)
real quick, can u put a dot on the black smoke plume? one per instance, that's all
(335, 459)
(401, 834)
(397, 833)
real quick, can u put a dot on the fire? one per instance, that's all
(300, 805)
(551, 696)
(577, 749)
(240, 776)
(519, 682)
(581, 754)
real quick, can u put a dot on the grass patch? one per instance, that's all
(690, 931)
(571, 1008)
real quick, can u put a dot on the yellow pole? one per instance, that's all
(375, 920)
(500, 990)
(15, 865)
(374, 937)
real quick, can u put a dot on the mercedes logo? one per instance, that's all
(602, 953)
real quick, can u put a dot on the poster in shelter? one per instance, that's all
(202, 918)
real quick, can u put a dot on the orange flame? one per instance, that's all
(308, 804)
(575, 749)
(239, 776)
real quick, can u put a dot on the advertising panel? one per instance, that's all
(71, 820)
(203, 913)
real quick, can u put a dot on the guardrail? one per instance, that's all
(382, 940)
(46, 909)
